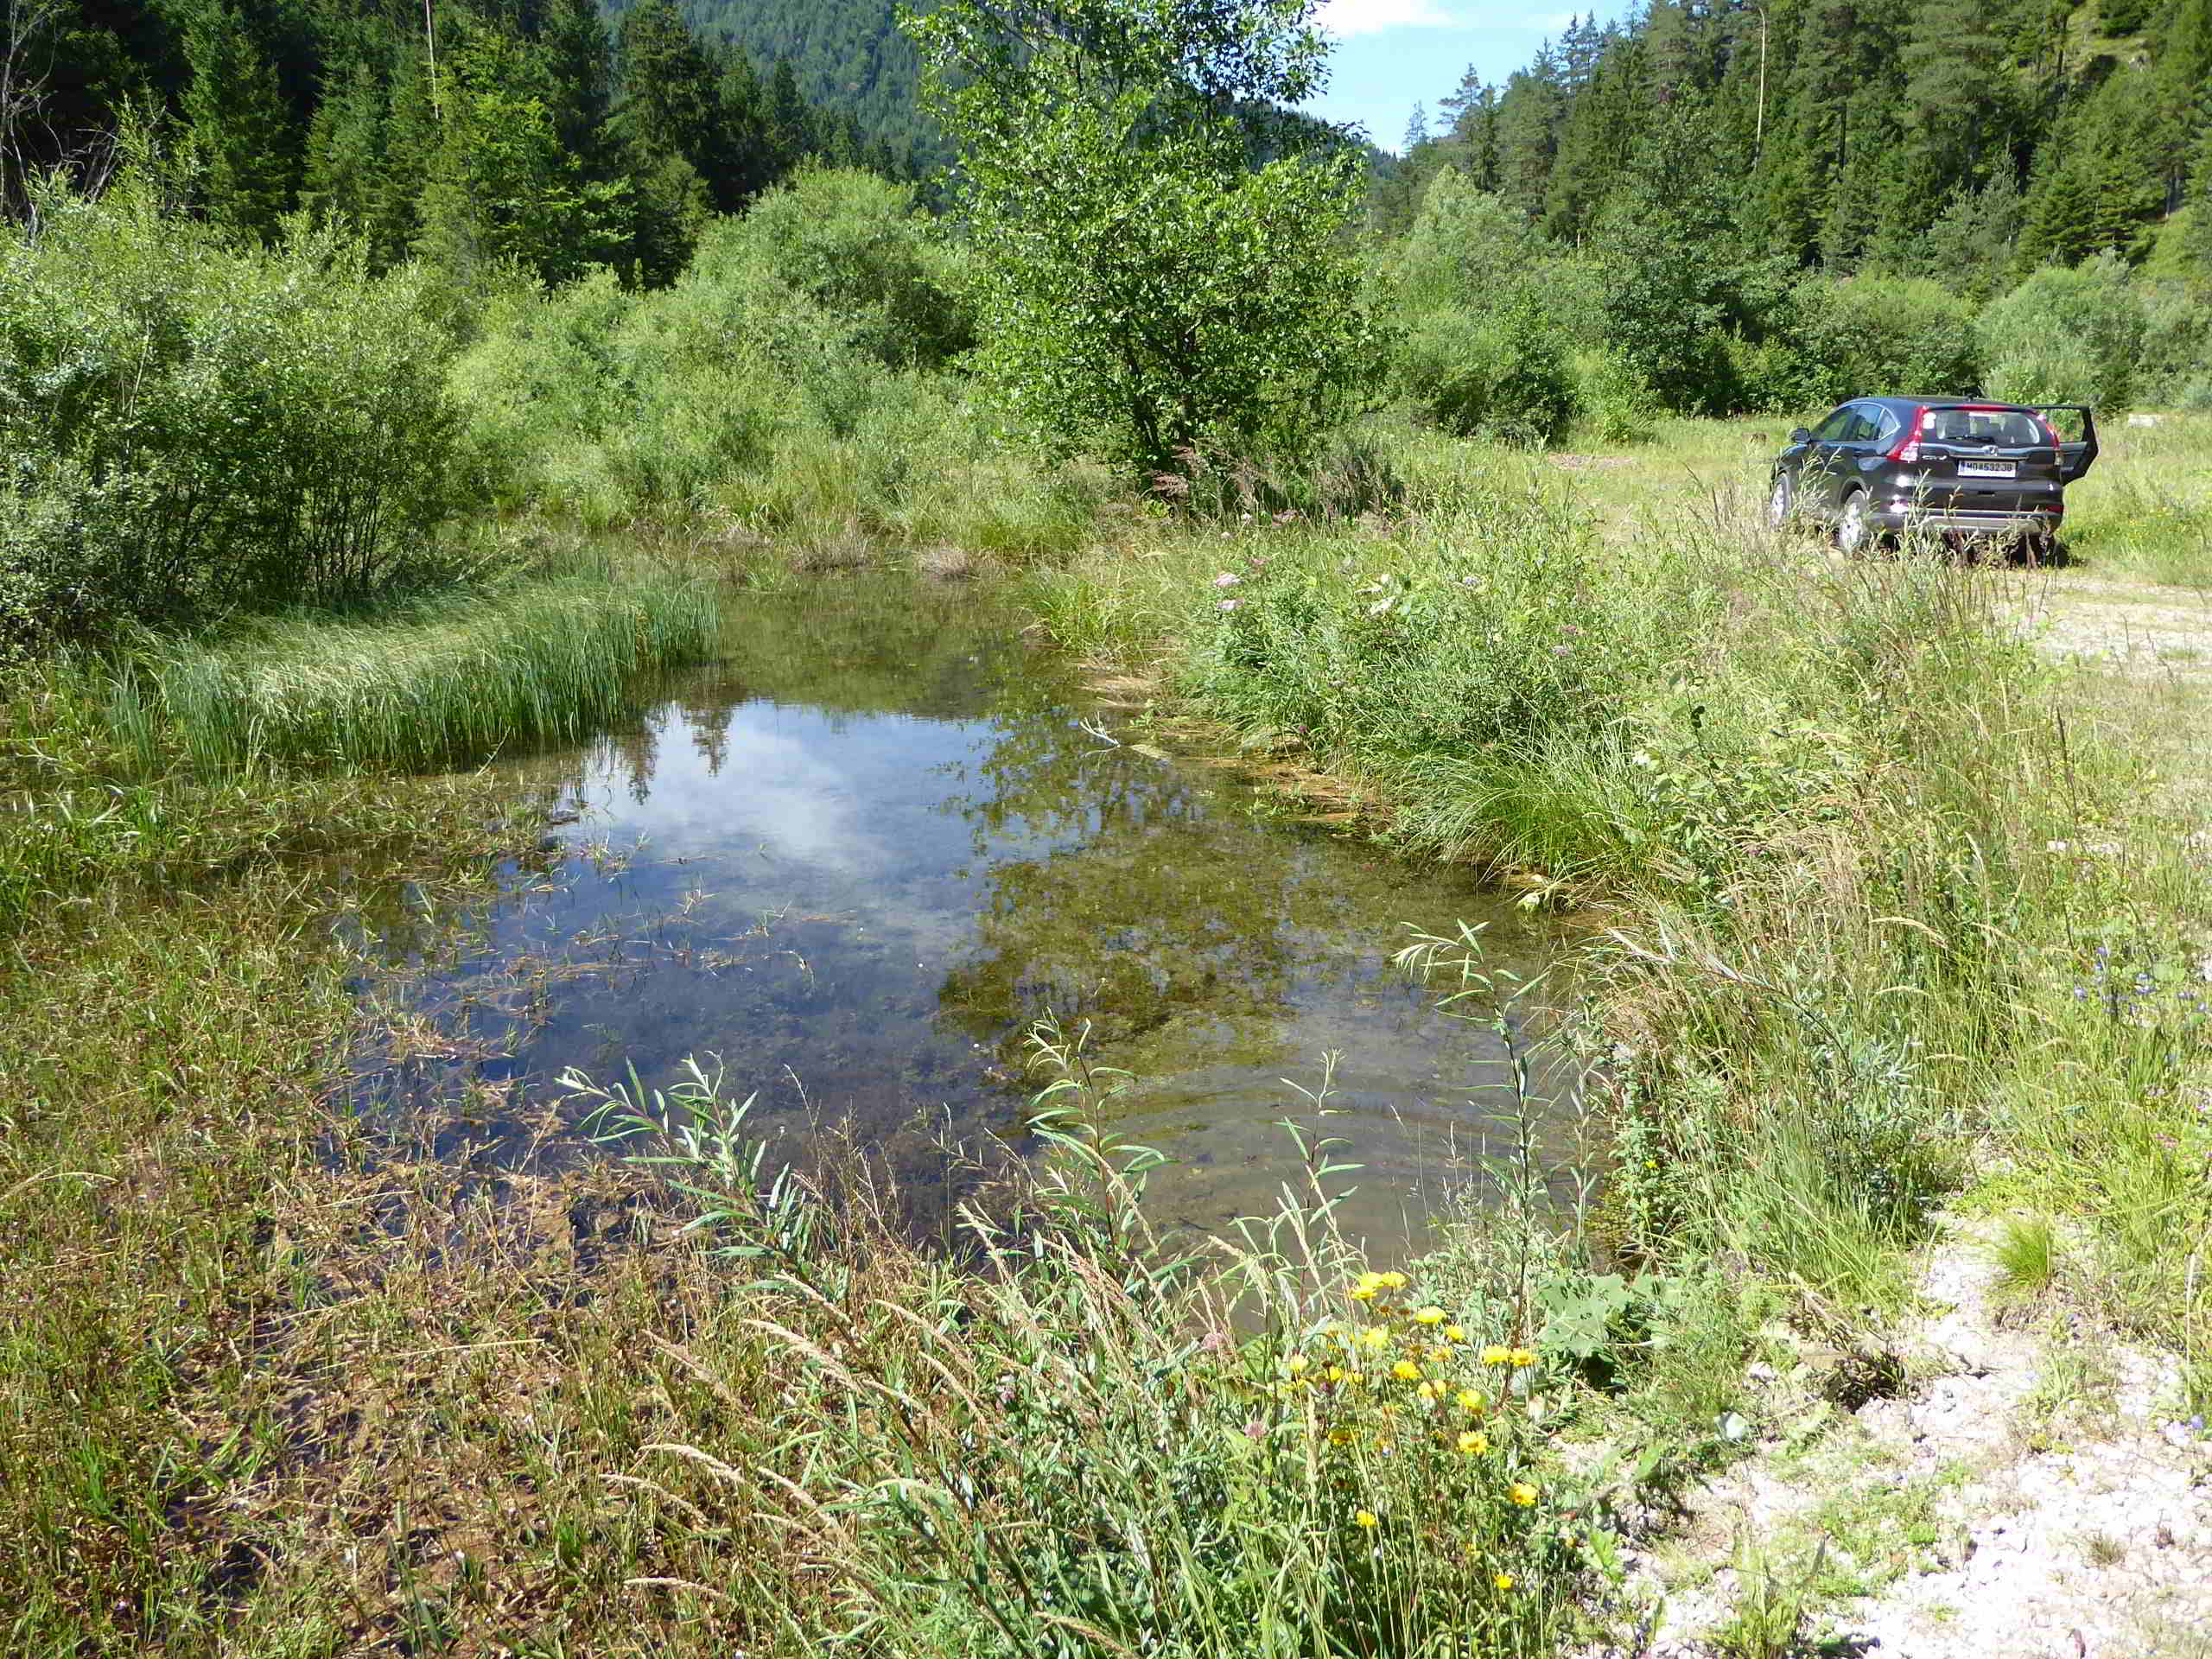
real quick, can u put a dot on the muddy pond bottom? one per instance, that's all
(858, 858)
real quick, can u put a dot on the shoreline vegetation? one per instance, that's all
(1896, 911)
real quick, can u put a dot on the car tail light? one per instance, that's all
(1907, 449)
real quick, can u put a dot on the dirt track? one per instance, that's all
(2132, 624)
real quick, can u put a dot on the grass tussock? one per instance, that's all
(458, 676)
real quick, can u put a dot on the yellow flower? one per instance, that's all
(1431, 1315)
(1391, 1280)
(1362, 1293)
(1455, 1333)
(1429, 1391)
(1436, 1356)
(1523, 1356)
(1522, 1493)
(1334, 1374)
(1473, 1443)
(1341, 1437)
(1405, 1370)
(1504, 1580)
(1470, 1400)
(1365, 1518)
(1495, 1355)
(1296, 1365)
(1375, 1337)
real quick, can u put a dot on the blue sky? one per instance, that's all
(1392, 54)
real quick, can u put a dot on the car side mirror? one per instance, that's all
(1800, 435)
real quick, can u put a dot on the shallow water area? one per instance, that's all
(858, 857)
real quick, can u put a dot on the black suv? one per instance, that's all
(1878, 467)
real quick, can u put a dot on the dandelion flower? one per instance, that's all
(1406, 1371)
(1362, 1293)
(1436, 1356)
(1296, 1365)
(1455, 1333)
(1523, 1356)
(1372, 1281)
(1373, 1337)
(1365, 1518)
(1470, 1400)
(1334, 1374)
(1495, 1355)
(1431, 1315)
(1504, 1580)
(1522, 1493)
(1473, 1443)
(1429, 1391)
(1393, 1281)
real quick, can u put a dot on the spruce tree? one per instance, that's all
(239, 134)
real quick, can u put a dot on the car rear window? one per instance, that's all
(2008, 429)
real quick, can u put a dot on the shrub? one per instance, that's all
(190, 426)
(851, 244)
(2066, 335)
(2177, 350)
(1466, 247)
(1868, 334)
(1499, 376)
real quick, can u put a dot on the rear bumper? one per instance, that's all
(2038, 522)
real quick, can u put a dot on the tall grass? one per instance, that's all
(454, 677)
(1092, 1440)
(1835, 817)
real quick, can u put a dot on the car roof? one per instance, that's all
(1952, 402)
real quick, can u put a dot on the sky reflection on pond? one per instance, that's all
(861, 854)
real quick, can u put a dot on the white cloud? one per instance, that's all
(1346, 18)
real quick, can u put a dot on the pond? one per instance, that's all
(858, 857)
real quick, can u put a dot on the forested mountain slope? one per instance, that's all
(463, 132)
(847, 56)
(1966, 143)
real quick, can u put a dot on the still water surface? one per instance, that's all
(861, 853)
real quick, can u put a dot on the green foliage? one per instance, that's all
(855, 246)
(1869, 335)
(2066, 336)
(1158, 264)
(1668, 311)
(189, 426)
(1499, 376)
(784, 387)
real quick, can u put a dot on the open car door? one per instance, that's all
(2077, 438)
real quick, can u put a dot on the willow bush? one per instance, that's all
(190, 425)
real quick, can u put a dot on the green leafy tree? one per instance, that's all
(1160, 257)
(1673, 285)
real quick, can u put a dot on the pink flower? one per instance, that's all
(1228, 605)
(1227, 579)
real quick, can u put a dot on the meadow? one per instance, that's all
(1888, 912)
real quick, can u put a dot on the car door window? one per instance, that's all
(1832, 429)
(1862, 426)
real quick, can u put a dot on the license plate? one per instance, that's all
(1989, 468)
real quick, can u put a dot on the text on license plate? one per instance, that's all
(1988, 468)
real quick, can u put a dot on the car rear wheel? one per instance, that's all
(1781, 504)
(1853, 533)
